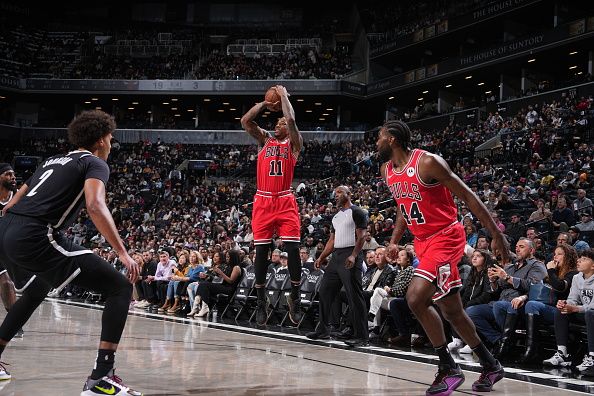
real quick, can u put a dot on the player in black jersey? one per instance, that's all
(31, 240)
(7, 190)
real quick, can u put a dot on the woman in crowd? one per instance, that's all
(476, 290)
(471, 234)
(226, 277)
(560, 272)
(578, 308)
(191, 274)
(179, 272)
(217, 260)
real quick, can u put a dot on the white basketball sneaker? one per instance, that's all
(4, 374)
(110, 385)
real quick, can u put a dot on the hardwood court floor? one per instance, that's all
(162, 357)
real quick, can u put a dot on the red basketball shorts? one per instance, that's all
(438, 259)
(275, 215)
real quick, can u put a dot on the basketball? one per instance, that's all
(273, 97)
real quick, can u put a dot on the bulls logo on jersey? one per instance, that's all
(410, 172)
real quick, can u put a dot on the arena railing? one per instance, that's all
(230, 137)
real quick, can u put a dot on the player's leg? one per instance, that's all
(419, 297)
(19, 314)
(97, 274)
(289, 229)
(453, 311)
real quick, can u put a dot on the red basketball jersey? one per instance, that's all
(276, 165)
(427, 208)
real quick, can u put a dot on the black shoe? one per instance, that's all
(295, 312)
(447, 380)
(370, 317)
(488, 378)
(345, 334)
(315, 335)
(262, 312)
(357, 342)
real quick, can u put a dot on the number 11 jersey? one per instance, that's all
(56, 189)
(427, 208)
(276, 165)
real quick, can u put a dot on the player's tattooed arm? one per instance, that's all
(289, 114)
(250, 126)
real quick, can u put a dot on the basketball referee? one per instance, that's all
(345, 243)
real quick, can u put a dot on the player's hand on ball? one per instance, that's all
(281, 90)
(131, 266)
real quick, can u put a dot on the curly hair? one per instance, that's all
(88, 127)
(569, 261)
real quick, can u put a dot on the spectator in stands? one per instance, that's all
(306, 260)
(382, 297)
(497, 321)
(207, 276)
(411, 249)
(178, 272)
(515, 229)
(225, 275)
(560, 272)
(483, 243)
(471, 235)
(579, 245)
(370, 242)
(275, 259)
(146, 288)
(587, 224)
(541, 212)
(577, 308)
(383, 275)
(191, 274)
(475, 291)
(582, 201)
(162, 275)
(562, 215)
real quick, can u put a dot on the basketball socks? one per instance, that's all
(294, 264)
(445, 358)
(103, 364)
(485, 357)
(261, 267)
(261, 293)
(294, 291)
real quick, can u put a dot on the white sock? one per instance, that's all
(562, 349)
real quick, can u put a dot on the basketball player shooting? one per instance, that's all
(275, 208)
(422, 185)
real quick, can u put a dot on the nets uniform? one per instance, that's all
(275, 208)
(30, 237)
(431, 216)
(2, 206)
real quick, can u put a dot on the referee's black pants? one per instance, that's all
(335, 277)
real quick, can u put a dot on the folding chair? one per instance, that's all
(308, 292)
(277, 284)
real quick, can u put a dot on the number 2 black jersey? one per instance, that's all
(56, 189)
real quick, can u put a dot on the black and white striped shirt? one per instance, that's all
(344, 224)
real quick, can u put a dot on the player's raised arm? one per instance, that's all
(250, 126)
(289, 114)
(436, 168)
